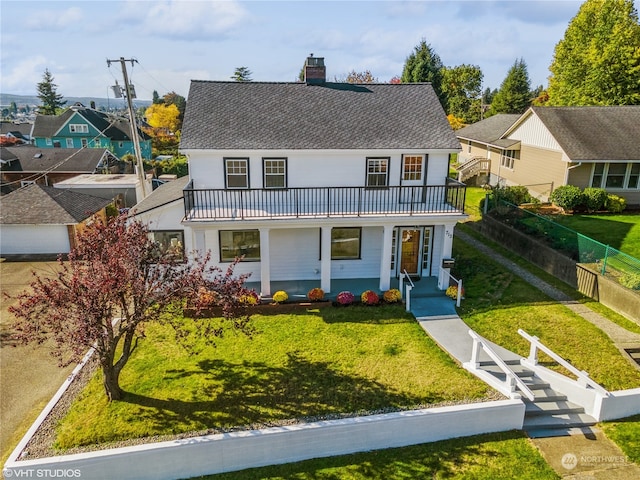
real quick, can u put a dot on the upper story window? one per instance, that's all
(275, 172)
(377, 172)
(78, 128)
(412, 167)
(616, 175)
(236, 172)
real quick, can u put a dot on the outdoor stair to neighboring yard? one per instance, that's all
(550, 413)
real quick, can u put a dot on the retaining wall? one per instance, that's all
(247, 449)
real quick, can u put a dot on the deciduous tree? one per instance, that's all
(357, 77)
(163, 116)
(48, 95)
(114, 282)
(598, 60)
(462, 86)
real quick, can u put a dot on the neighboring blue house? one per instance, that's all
(82, 127)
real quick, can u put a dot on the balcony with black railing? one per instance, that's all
(323, 202)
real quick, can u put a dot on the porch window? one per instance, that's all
(170, 242)
(236, 172)
(275, 172)
(345, 243)
(615, 175)
(412, 167)
(239, 243)
(377, 172)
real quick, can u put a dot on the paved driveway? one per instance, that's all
(29, 376)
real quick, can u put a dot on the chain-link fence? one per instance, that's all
(606, 259)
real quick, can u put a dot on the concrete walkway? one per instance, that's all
(586, 453)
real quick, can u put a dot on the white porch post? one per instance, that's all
(447, 248)
(385, 259)
(325, 262)
(265, 263)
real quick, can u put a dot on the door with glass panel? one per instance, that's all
(412, 178)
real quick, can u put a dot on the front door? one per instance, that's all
(410, 247)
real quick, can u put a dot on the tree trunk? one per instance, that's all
(111, 382)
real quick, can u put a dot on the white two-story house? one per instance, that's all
(314, 181)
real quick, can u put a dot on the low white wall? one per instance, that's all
(246, 449)
(620, 404)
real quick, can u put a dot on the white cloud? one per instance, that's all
(54, 20)
(25, 74)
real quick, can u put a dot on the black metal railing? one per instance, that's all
(318, 202)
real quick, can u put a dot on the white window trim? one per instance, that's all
(605, 175)
(381, 160)
(227, 160)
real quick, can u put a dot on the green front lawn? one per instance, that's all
(497, 303)
(618, 231)
(498, 456)
(626, 434)
(329, 361)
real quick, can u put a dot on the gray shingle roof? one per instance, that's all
(39, 204)
(32, 159)
(490, 129)
(260, 115)
(595, 133)
(163, 195)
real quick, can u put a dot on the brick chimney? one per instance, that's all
(315, 72)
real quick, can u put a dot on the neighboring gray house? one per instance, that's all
(315, 181)
(41, 220)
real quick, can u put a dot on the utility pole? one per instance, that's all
(132, 120)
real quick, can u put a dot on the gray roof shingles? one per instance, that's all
(595, 133)
(490, 129)
(163, 195)
(262, 115)
(33, 159)
(39, 204)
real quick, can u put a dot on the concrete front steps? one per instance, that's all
(549, 414)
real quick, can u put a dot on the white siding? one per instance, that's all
(295, 254)
(310, 168)
(368, 266)
(32, 239)
(533, 132)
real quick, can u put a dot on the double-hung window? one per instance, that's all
(616, 175)
(275, 172)
(377, 172)
(78, 128)
(69, 142)
(236, 172)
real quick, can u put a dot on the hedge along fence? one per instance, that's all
(604, 258)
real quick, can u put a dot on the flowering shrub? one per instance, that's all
(315, 294)
(345, 298)
(369, 297)
(452, 292)
(206, 298)
(392, 296)
(251, 298)
(280, 296)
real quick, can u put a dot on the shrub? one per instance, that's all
(345, 298)
(369, 297)
(280, 296)
(615, 204)
(250, 299)
(315, 294)
(516, 194)
(631, 280)
(452, 292)
(594, 198)
(567, 197)
(392, 296)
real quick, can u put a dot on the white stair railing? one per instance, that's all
(458, 282)
(511, 381)
(582, 377)
(409, 287)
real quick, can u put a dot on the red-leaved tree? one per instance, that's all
(116, 280)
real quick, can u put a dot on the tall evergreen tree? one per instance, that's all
(598, 60)
(242, 74)
(514, 95)
(424, 65)
(48, 95)
(156, 98)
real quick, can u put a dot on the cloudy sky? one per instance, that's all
(175, 41)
